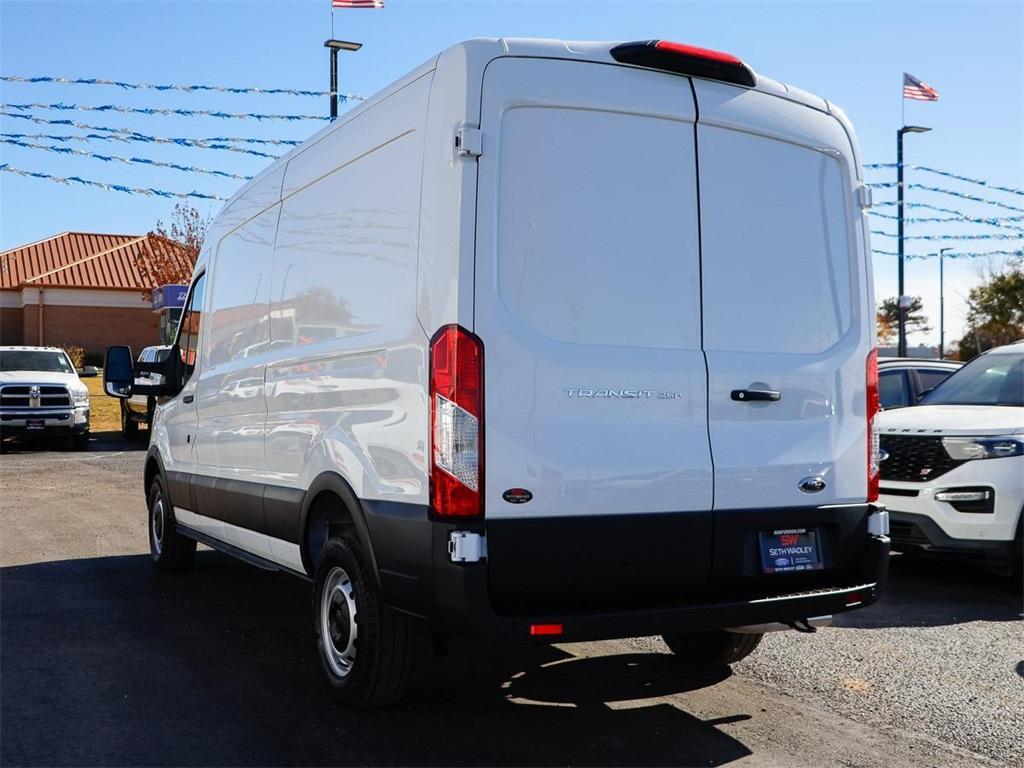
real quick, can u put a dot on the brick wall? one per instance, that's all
(92, 328)
(10, 325)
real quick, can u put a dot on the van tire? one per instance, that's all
(378, 670)
(1017, 572)
(171, 552)
(712, 649)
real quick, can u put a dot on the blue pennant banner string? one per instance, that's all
(957, 255)
(5, 139)
(142, 138)
(87, 127)
(950, 175)
(997, 236)
(937, 209)
(965, 196)
(941, 191)
(148, 191)
(993, 222)
(162, 111)
(157, 87)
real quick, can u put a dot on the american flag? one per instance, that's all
(915, 89)
(357, 3)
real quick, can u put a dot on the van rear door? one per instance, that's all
(785, 312)
(587, 292)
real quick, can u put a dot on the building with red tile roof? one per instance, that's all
(82, 289)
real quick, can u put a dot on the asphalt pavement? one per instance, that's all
(106, 662)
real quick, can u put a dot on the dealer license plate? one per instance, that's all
(35, 423)
(787, 550)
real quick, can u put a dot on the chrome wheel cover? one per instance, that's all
(338, 628)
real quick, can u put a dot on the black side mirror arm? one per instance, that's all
(169, 368)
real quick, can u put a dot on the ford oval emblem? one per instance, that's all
(517, 495)
(812, 484)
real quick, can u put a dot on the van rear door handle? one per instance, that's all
(190, 398)
(756, 395)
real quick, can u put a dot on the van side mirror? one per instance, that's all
(162, 377)
(118, 372)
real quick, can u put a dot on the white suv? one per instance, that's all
(953, 468)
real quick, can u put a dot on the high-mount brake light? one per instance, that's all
(456, 423)
(873, 406)
(693, 50)
(686, 60)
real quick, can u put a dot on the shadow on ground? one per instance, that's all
(99, 442)
(926, 591)
(106, 662)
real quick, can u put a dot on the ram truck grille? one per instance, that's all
(34, 396)
(914, 458)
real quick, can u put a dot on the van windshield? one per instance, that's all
(35, 360)
(987, 380)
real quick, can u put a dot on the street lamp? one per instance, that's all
(901, 350)
(942, 308)
(335, 46)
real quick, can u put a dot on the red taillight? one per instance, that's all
(873, 407)
(686, 60)
(456, 423)
(696, 52)
(546, 629)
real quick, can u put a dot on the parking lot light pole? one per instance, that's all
(942, 306)
(903, 302)
(335, 46)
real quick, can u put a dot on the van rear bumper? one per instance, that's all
(418, 578)
(475, 618)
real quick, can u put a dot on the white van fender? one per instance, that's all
(345, 511)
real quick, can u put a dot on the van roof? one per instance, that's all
(477, 52)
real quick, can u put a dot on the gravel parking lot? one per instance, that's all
(106, 662)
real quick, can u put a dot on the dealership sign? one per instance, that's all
(169, 296)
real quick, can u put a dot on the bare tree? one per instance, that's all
(171, 252)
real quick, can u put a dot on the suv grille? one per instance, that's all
(915, 459)
(21, 396)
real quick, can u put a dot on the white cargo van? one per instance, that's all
(547, 341)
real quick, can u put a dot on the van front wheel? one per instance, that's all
(171, 552)
(365, 648)
(712, 649)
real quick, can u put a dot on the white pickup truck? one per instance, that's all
(41, 394)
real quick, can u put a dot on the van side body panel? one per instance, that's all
(444, 280)
(345, 377)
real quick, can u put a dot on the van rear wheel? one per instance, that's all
(365, 648)
(712, 649)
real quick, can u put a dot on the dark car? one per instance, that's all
(902, 381)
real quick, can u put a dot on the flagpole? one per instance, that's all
(903, 100)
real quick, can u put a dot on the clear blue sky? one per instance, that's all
(852, 53)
